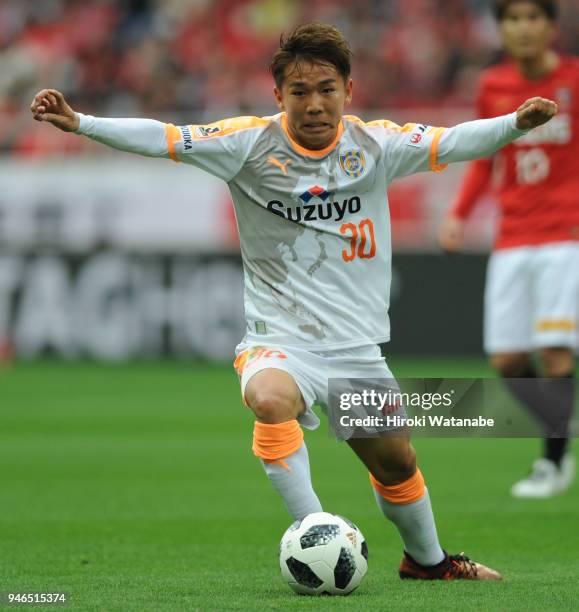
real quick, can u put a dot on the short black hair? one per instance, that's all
(315, 43)
(549, 7)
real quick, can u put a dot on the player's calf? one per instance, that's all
(390, 460)
(400, 493)
(284, 457)
(278, 440)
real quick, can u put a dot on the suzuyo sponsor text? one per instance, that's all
(335, 211)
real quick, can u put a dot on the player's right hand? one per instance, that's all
(49, 105)
(451, 234)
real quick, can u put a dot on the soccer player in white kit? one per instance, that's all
(309, 190)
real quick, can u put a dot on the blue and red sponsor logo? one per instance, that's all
(315, 192)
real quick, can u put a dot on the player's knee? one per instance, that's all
(510, 365)
(557, 362)
(273, 406)
(397, 467)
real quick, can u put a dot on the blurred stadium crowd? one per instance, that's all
(205, 59)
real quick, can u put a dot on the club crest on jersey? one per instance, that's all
(353, 163)
(314, 192)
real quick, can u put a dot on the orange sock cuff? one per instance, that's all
(272, 442)
(406, 492)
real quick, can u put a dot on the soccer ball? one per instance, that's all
(323, 554)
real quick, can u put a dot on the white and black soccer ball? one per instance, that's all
(323, 554)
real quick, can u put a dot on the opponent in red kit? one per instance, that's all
(532, 287)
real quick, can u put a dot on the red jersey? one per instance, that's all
(538, 188)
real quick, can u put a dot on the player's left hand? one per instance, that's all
(534, 112)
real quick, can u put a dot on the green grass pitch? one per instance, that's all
(133, 487)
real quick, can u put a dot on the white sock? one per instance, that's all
(291, 479)
(415, 523)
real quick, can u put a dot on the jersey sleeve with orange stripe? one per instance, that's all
(412, 148)
(220, 148)
(417, 147)
(476, 139)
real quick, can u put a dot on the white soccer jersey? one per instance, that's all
(314, 226)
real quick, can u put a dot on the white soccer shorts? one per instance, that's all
(532, 298)
(312, 370)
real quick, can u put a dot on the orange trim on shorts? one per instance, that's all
(312, 152)
(433, 162)
(274, 442)
(241, 361)
(406, 492)
(545, 325)
(253, 354)
(172, 134)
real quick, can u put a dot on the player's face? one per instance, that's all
(526, 31)
(313, 97)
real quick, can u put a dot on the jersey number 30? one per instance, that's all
(362, 242)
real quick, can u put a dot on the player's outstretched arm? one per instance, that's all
(532, 113)
(483, 137)
(142, 136)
